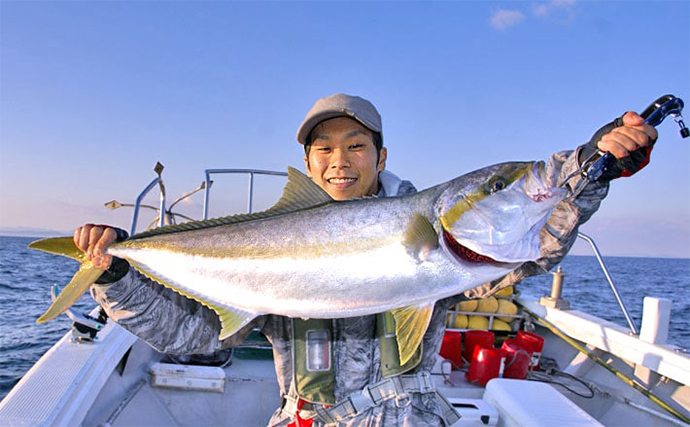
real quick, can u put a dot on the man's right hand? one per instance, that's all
(94, 240)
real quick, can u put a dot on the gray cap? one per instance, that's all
(340, 105)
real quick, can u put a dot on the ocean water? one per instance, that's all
(27, 275)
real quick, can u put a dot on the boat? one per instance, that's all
(585, 371)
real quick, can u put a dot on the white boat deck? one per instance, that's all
(250, 393)
(110, 383)
(55, 393)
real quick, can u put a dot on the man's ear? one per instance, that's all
(306, 166)
(382, 159)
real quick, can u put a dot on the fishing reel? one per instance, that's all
(667, 105)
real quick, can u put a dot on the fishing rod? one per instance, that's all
(667, 105)
(631, 382)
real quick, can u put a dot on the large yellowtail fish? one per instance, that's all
(311, 257)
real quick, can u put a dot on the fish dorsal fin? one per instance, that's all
(420, 237)
(299, 193)
(410, 325)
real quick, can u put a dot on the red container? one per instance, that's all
(518, 357)
(473, 338)
(451, 348)
(535, 343)
(486, 364)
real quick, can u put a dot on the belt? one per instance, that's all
(396, 387)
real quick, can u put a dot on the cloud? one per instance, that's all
(559, 10)
(554, 7)
(504, 18)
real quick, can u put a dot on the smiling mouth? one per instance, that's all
(464, 252)
(341, 180)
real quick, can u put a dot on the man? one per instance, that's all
(359, 379)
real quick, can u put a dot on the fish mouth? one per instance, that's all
(463, 252)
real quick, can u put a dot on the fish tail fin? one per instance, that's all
(81, 281)
(60, 246)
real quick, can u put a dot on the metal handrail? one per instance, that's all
(251, 173)
(589, 240)
(137, 204)
(206, 186)
(140, 197)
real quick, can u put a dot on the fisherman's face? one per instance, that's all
(342, 159)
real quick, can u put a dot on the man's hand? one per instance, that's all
(94, 240)
(628, 138)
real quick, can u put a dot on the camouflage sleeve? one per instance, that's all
(406, 188)
(166, 320)
(560, 232)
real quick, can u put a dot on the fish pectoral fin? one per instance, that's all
(410, 325)
(420, 237)
(60, 246)
(81, 281)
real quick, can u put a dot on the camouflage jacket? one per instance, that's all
(174, 324)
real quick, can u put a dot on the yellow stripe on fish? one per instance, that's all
(465, 204)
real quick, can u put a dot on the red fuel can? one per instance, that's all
(487, 363)
(474, 338)
(535, 343)
(518, 357)
(451, 348)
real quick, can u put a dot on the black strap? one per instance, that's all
(119, 267)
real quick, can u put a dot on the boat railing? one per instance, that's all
(595, 249)
(137, 204)
(250, 172)
(167, 216)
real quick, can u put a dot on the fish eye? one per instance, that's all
(496, 184)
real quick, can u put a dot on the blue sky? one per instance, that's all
(92, 94)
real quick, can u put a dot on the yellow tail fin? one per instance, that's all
(60, 246)
(81, 281)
